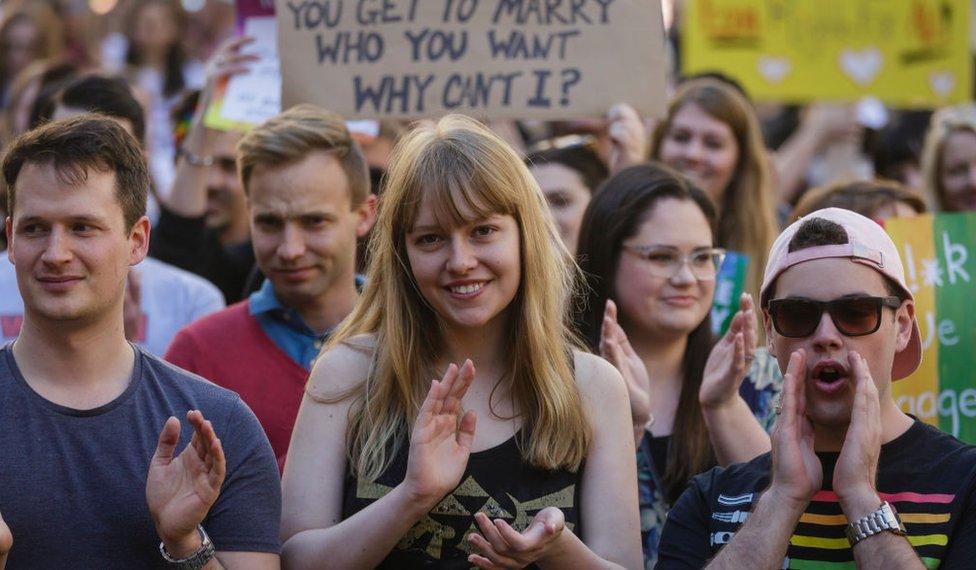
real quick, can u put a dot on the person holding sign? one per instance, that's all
(845, 461)
(521, 453)
(711, 135)
(949, 160)
(647, 248)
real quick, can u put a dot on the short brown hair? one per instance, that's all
(292, 135)
(76, 145)
(864, 197)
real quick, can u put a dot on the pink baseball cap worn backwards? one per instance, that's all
(868, 244)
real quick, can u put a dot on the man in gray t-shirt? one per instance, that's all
(112, 458)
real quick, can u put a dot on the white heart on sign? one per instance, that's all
(774, 69)
(861, 66)
(942, 82)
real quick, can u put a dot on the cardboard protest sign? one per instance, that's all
(543, 59)
(729, 285)
(939, 253)
(249, 99)
(908, 53)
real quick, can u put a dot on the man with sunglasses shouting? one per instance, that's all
(851, 480)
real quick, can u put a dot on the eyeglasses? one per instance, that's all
(853, 316)
(664, 261)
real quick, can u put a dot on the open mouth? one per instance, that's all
(830, 377)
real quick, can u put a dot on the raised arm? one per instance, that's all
(733, 430)
(312, 527)
(188, 197)
(797, 474)
(616, 349)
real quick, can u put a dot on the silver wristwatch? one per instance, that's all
(195, 561)
(883, 519)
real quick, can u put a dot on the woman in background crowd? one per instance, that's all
(567, 176)
(385, 467)
(157, 65)
(30, 33)
(949, 160)
(712, 136)
(648, 249)
(875, 199)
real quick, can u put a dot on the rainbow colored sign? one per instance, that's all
(939, 253)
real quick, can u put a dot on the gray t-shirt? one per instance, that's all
(73, 482)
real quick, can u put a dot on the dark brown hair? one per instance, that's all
(75, 146)
(863, 197)
(615, 214)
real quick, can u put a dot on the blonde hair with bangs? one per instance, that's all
(461, 166)
(943, 124)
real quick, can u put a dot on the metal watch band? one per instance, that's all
(195, 561)
(883, 519)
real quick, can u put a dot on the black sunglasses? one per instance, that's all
(853, 316)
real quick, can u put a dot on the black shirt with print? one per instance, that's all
(927, 475)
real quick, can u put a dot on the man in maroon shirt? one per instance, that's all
(309, 201)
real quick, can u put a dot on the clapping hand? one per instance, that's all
(616, 349)
(797, 472)
(857, 465)
(442, 437)
(180, 490)
(731, 358)
(501, 546)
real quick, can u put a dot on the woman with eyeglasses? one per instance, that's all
(647, 247)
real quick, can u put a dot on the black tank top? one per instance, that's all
(497, 482)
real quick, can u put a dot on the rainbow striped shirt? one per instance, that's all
(926, 474)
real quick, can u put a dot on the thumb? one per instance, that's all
(465, 434)
(168, 438)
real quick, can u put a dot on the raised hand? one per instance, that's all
(226, 61)
(797, 472)
(442, 436)
(857, 465)
(501, 546)
(628, 137)
(616, 349)
(6, 542)
(731, 358)
(180, 490)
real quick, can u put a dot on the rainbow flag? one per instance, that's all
(939, 253)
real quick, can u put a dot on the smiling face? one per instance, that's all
(70, 246)
(958, 171)
(468, 273)
(567, 196)
(658, 306)
(829, 395)
(304, 227)
(702, 148)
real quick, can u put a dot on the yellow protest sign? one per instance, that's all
(908, 53)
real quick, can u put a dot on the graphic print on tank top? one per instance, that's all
(496, 482)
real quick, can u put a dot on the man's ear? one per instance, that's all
(139, 240)
(367, 215)
(768, 328)
(904, 319)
